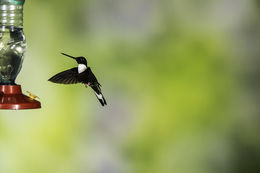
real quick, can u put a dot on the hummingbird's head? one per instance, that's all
(81, 60)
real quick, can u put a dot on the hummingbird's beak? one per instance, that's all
(68, 55)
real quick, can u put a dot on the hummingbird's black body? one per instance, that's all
(80, 74)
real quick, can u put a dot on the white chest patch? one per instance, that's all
(81, 68)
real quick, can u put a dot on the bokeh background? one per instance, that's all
(181, 78)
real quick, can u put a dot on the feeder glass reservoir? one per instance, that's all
(12, 40)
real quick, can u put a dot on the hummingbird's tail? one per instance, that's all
(101, 99)
(99, 95)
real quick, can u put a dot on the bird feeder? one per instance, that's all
(12, 49)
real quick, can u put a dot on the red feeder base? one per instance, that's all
(11, 97)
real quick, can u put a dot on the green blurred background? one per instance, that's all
(181, 78)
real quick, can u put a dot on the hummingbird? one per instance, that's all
(80, 74)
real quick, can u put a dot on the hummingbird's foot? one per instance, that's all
(87, 84)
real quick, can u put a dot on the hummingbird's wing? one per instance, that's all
(66, 77)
